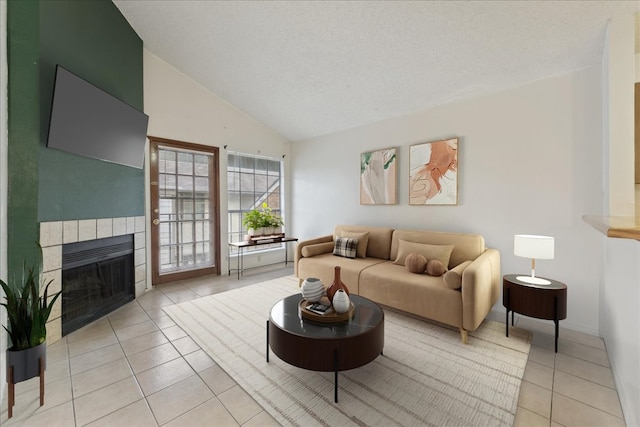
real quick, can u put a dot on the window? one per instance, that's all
(252, 180)
(185, 237)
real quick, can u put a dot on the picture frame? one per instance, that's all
(433, 173)
(379, 177)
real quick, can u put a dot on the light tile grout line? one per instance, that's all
(144, 397)
(135, 376)
(224, 284)
(221, 285)
(555, 369)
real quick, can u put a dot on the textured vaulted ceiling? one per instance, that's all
(308, 68)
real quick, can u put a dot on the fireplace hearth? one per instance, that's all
(56, 234)
(97, 277)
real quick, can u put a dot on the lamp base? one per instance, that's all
(533, 280)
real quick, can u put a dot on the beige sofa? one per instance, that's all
(377, 278)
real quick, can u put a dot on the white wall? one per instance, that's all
(618, 93)
(620, 293)
(529, 162)
(621, 321)
(181, 109)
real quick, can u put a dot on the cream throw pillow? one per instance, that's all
(317, 249)
(453, 277)
(440, 252)
(363, 241)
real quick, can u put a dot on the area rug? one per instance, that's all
(425, 377)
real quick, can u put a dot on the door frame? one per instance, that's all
(214, 209)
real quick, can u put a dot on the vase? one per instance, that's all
(312, 289)
(341, 301)
(26, 363)
(336, 284)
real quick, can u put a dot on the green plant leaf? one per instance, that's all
(27, 310)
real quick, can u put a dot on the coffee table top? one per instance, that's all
(285, 315)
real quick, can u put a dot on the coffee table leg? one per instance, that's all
(335, 382)
(267, 341)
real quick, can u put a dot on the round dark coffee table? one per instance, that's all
(326, 347)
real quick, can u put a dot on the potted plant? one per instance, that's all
(253, 220)
(27, 315)
(276, 223)
(267, 222)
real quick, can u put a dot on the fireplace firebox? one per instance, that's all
(97, 278)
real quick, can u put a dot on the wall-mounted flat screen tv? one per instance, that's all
(88, 121)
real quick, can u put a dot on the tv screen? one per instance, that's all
(88, 121)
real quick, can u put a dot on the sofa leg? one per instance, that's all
(464, 335)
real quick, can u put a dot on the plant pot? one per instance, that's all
(26, 363)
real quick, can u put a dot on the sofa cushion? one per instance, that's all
(392, 285)
(453, 278)
(439, 252)
(466, 246)
(415, 263)
(435, 268)
(323, 267)
(317, 249)
(363, 239)
(379, 242)
(345, 247)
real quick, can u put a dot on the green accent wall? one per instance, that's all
(92, 39)
(24, 135)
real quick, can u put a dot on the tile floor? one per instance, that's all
(135, 367)
(573, 387)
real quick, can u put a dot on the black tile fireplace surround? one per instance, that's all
(97, 277)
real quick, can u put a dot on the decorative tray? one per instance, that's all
(329, 317)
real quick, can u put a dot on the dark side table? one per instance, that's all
(540, 301)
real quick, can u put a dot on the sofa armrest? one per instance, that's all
(302, 244)
(480, 288)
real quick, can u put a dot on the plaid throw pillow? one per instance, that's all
(345, 247)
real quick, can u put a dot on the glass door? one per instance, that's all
(184, 210)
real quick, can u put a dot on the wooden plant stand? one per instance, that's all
(12, 387)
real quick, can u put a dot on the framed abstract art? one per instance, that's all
(378, 177)
(433, 173)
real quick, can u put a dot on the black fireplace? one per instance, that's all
(97, 277)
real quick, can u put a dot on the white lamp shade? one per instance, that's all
(530, 246)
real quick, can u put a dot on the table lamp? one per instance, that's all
(534, 247)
